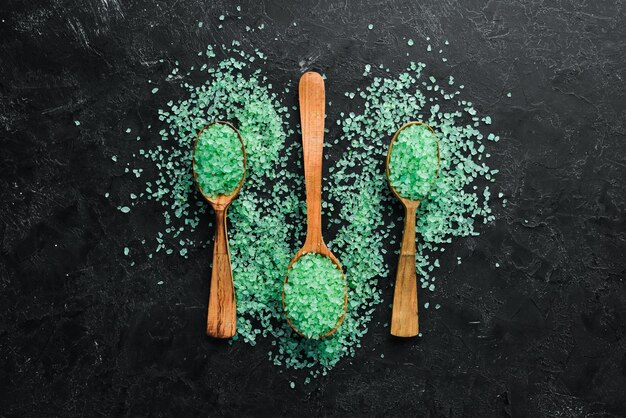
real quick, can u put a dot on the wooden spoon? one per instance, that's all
(312, 108)
(404, 317)
(222, 311)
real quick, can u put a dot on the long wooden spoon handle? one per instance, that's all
(404, 320)
(312, 108)
(222, 315)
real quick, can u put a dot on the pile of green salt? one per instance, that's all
(218, 160)
(268, 214)
(414, 162)
(314, 295)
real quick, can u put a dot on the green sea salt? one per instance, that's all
(218, 160)
(314, 295)
(414, 162)
(267, 217)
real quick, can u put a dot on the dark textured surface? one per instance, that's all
(84, 334)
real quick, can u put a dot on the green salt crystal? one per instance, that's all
(410, 42)
(77, 123)
(126, 251)
(154, 90)
(370, 26)
(218, 160)
(314, 295)
(124, 209)
(413, 164)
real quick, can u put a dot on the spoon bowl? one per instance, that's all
(404, 314)
(312, 108)
(324, 251)
(222, 310)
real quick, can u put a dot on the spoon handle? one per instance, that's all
(404, 320)
(312, 106)
(222, 315)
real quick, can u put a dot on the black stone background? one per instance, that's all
(84, 334)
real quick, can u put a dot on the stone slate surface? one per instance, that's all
(84, 334)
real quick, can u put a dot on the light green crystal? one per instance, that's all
(314, 295)
(218, 160)
(414, 162)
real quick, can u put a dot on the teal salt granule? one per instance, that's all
(414, 162)
(218, 159)
(314, 295)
